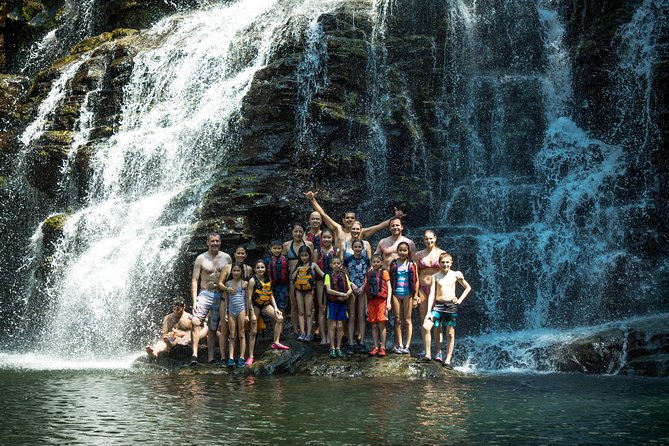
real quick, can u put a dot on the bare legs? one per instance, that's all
(236, 331)
(402, 312)
(278, 326)
(305, 302)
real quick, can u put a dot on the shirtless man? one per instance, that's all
(206, 272)
(387, 247)
(177, 328)
(445, 311)
(342, 232)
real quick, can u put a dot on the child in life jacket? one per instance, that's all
(277, 267)
(378, 289)
(304, 282)
(262, 301)
(237, 315)
(325, 255)
(338, 288)
(356, 267)
(404, 281)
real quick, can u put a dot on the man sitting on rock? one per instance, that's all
(176, 331)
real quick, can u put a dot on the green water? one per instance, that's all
(128, 407)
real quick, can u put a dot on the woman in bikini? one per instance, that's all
(427, 261)
(291, 249)
(347, 246)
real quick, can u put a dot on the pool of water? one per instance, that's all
(127, 406)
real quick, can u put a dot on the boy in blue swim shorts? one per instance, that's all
(338, 289)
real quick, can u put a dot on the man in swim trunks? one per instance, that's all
(387, 247)
(206, 273)
(176, 330)
(445, 310)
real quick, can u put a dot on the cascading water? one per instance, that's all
(531, 204)
(565, 258)
(112, 266)
(78, 21)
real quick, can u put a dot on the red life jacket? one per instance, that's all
(278, 269)
(339, 283)
(376, 286)
(324, 260)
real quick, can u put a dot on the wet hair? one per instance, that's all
(297, 223)
(265, 276)
(357, 222)
(275, 243)
(349, 212)
(213, 234)
(445, 254)
(240, 247)
(433, 233)
(238, 265)
(358, 241)
(377, 256)
(179, 302)
(403, 244)
(336, 259)
(390, 222)
(328, 231)
(303, 248)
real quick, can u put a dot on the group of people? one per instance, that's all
(332, 284)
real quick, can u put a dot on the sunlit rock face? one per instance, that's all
(528, 134)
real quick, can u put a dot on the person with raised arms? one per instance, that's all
(342, 232)
(205, 277)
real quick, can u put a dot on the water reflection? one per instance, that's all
(126, 407)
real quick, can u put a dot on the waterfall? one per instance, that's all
(77, 22)
(568, 257)
(533, 201)
(378, 96)
(112, 267)
(311, 77)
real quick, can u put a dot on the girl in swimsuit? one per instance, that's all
(262, 300)
(404, 280)
(356, 268)
(303, 279)
(290, 250)
(325, 255)
(236, 315)
(240, 255)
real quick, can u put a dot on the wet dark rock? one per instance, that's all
(307, 360)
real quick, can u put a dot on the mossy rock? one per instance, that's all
(95, 41)
(30, 10)
(58, 137)
(52, 230)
